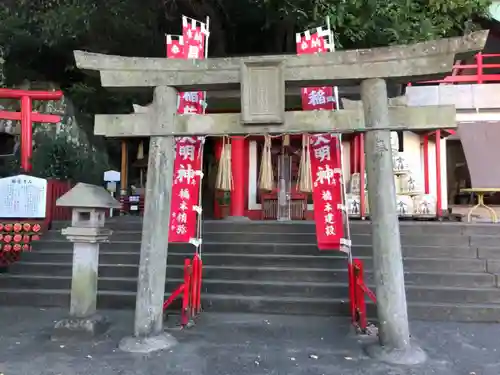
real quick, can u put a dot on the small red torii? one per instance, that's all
(27, 117)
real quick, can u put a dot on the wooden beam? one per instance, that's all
(343, 121)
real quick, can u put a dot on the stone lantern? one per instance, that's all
(90, 204)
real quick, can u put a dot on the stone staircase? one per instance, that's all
(275, 267)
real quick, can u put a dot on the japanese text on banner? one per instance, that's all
(326, 172)
(315, 98)
(185, 189)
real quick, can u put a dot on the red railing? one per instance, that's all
(357, 292)
(472, 73)
(190, 290)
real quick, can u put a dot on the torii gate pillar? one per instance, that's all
(394, 331)
(262, 80)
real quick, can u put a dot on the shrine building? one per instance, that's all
(430, 169)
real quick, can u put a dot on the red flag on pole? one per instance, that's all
(188, 156)
(175, 47)
(314, 98)
(325, 152)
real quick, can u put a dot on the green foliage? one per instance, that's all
(37, 38)
(372, 23)
(59, 158)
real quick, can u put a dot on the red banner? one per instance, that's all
(315, 98)
(175, 47)
(326, 169)
(185, 189)
(308, 44)
(194, 33)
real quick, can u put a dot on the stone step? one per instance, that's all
(277, 288)
(262, 304)
(256, 261)
(43, 249)
(357, 227)
(463, 278)
(317, 260)
(295, 238)
(337, 290)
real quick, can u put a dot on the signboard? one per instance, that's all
(23, 197)
(111, 176)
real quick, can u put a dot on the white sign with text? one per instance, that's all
(23, 197)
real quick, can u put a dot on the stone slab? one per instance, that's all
(80, 328)
(241, 344)
(344, 121)
(489, 253)
(410, 356)
(493, 266)
(145, 345)
(400, 63)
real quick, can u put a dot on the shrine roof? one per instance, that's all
(397, 63)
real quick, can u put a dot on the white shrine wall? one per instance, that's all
(413, 150)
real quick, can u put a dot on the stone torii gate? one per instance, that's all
(262, 80)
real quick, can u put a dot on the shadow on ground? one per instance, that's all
(235, 344)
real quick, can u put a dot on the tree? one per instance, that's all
(37, 37)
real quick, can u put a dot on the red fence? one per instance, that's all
(480, 72)
(56, 189)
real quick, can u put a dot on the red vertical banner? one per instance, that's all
(326, 170)
(315, 98)
(185, 189)
(194, 33)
